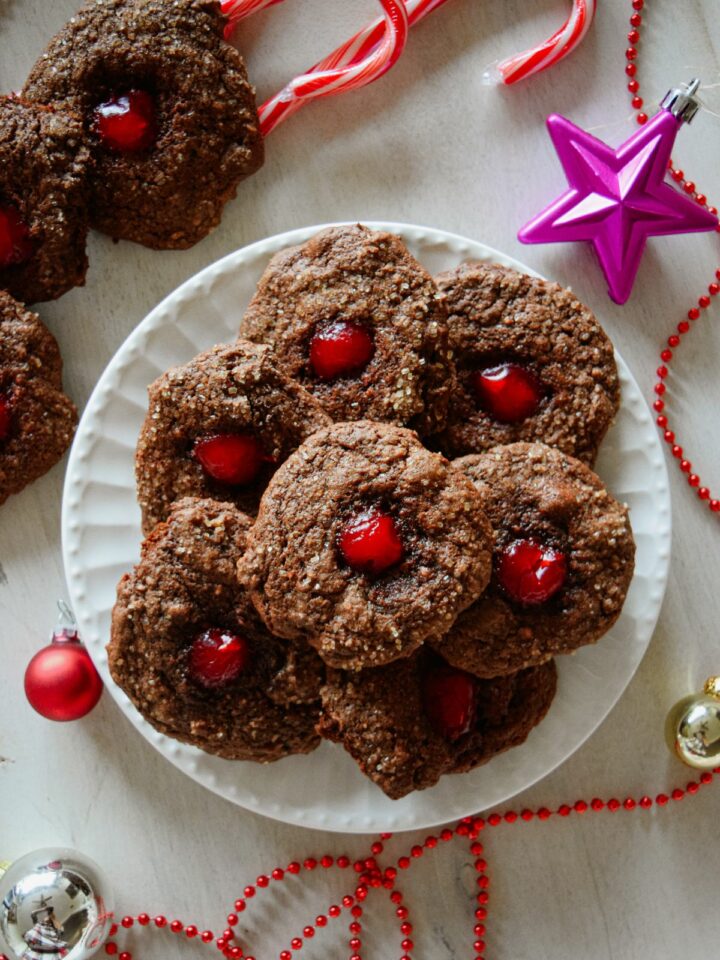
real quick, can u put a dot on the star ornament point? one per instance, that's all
(617, 198)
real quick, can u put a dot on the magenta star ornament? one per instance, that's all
(617, 198)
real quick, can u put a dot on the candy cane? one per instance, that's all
(374, 50)
(355, 64)
(559, 45)
(237, 10)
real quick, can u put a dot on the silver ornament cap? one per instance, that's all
(53, 904)
(692, 729)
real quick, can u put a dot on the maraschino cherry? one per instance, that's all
(341, 348)
(127, 122)
(370, 542)
(15, 243)
(530, 572)
(449, 700)
(217, 657)
(233, 458)
(509, 392)
(5, 418)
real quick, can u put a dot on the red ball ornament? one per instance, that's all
(61, 682)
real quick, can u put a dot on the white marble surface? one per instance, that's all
(427, 144)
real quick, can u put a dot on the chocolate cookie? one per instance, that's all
(409, 722)
(37, 420)
(365, 544)
(564, 559)
(355, 318)
(188, 649)
(44, 164)
(167, 108)
(533, 364)
(219, 426)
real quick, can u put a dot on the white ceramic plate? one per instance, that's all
(101, 539)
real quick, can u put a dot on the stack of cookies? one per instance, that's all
(373, 518)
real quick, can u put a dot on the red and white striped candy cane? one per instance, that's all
(374, 50)
(559, 45)
(237, 10)
(352, 65)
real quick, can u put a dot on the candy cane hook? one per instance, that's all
(347, 68)
(552, 50)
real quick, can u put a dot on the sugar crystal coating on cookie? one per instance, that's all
(532, 363)
(190, 652)
(219, 426)
(167, 108)
(386, 720)
(564, 560)
(37, 420)
(365, 544)
(359, 322)
(44, 165)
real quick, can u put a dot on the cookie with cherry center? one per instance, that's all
(37, 420)
(44, 164)
(532, 363)
(167, 110)
(410, 722)
(360, 323)
(191, 653)
(563, 561)
(365, 544)
(219, 426)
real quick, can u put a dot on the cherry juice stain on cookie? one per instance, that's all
(127, 122)
(340, 349)
(15, 244)
(370, 542)
(509, 392)
(233, 458)
(217, 658)
(530, 572)
(449, 699)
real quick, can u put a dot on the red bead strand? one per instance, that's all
(371, 872)
(688, 186)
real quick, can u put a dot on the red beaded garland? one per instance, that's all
(370, 870)
(688, 186)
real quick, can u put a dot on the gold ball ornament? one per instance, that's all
(692, 728)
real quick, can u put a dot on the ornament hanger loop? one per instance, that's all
(66, 614)
(681, 101)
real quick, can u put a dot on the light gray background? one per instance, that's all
(427, 144)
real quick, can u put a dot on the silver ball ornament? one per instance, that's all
(53, 904)
(692, 729)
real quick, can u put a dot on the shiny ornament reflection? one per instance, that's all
(53, 903)
(692, 728)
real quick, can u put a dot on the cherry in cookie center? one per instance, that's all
(371, 541)
(127, 122)
(217, 657)
(531, 572)
(340, 348)
(232, 458)
(508, 392)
